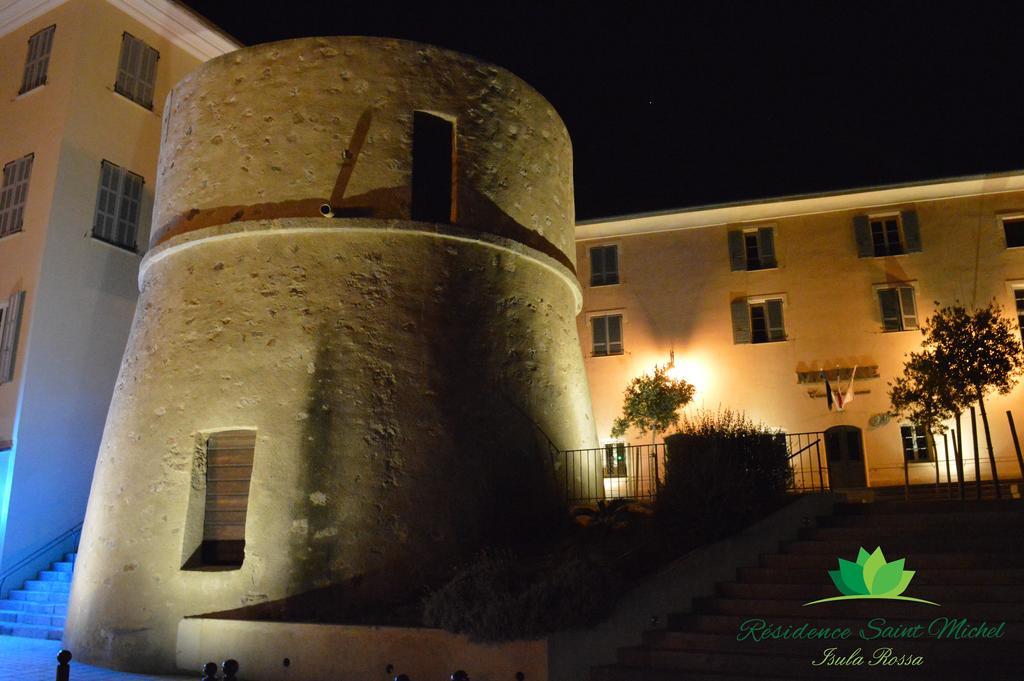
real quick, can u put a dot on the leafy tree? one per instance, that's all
(969, 355)
(652, 403)
(920, 395)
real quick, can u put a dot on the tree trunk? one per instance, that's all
(988, 442)
(958, 448)
(977, 454)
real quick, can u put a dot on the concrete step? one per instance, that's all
(34, 607)
(729, 624)
(901, 546)
(918, 561)
(31, 618)
(55, 576)
(30, 631)
(623, 673)
(940, 593)
(880, 535)
(63, 566)
(47, 585)
(866, 609)
(39, 596)
(756, 663)
(925, 521)
(938, 576)
(70, 557)
(929, 506)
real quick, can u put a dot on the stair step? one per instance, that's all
(940, 593)
(967, 576)
(897, 546)
(865, 609)
(936, 520)
(45, 585)
(623, 673)
(55, 576)
(31, 618)
(38, 596)
(729, 624)
(30, 631)
(63, 566)
(922, 562)
(881, 535)
(930, 506)
(33, 607)
(71, 557)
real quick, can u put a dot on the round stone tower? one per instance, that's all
(354, 349)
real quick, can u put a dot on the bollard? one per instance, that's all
(210, 671)
(402, 677)
(230, 668)
(63, 668)
(460, 676)
(520, 676)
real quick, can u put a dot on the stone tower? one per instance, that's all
(354, 346)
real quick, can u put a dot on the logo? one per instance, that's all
(871, 577)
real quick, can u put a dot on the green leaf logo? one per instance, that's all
(871, 577)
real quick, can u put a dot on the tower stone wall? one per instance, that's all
(404, 379)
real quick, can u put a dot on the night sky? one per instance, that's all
(679, 104)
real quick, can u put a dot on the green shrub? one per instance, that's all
(722, 472)
(501, 597)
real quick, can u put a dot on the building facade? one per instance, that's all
(80, 95)
(757, 303)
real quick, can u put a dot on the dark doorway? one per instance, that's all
(433, 161)
(844, 450)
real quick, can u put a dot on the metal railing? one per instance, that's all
(35, 555)
(614, 471)
(808, 462)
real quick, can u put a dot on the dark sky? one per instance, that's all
(676, 104)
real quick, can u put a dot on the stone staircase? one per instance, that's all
(37, 610)
(967, 556)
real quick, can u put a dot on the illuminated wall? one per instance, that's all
(677, 287)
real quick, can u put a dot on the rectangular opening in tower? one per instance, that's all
(228, 473)
(433, 168)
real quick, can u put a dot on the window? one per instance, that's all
(752, 249)
(607, 335)
(890, 234)
(229, 456)
(38, 59)
(899, 312)
(615, 460)
(757, 320)
(13, 195)
(433, 164)
(10, 327)
(1018, 298)
(136, 71)
(1013, 228)
(915, 444)
(117, 206)
(604, 265)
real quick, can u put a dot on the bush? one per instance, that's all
(501, 597)
(722, 472)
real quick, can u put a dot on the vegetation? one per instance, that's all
(652, 403)
(722, 472)
(965, 356)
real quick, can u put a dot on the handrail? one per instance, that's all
(38, 552)
(803, 449)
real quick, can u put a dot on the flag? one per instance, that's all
(828, 390)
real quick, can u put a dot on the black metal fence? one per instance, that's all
(808, 462)
(614, 471)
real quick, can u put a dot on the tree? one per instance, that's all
(651, 403)
(975, 353)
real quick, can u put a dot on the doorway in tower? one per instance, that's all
(844, 450)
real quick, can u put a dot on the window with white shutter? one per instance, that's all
(38, 60)
(136, 71)
(118, 204)
(606, 334)
(604, 265)
(13, 195)
(752, 249)
(758, 320)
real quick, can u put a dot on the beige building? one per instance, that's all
(755, 301)
(81, 88)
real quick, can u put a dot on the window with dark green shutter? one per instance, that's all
(752, 249)
(1018, 299)
(136, 71)
(604, 265)
(38, 60)
(118, 205)
(14, 194)
(1013, 230)
(884, 235)
(899, 308)
(766, 324)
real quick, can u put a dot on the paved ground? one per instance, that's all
(29, 659)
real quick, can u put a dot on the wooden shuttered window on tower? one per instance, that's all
(136, 71)
(38, 60)
(10, 327)
(229, 457)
